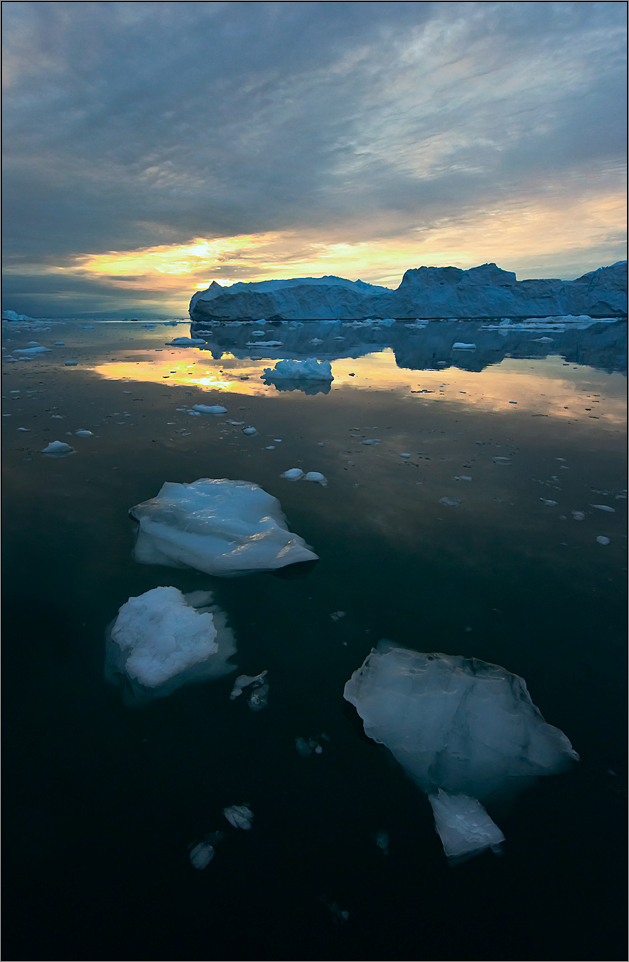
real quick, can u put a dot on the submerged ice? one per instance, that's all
(464, 730)
(221, 527)
(163, 639)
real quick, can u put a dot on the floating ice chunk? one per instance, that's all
(382, 841)
(602, 539)
(201, 855)
(303, 747)
(544, 340)
(270, 447)
(552, 504)
(161, 638)
(316, 476)
(264, 343)
(84, 433)
(258, 333)
(604, 507)
(337, 615)
(578, 515)
(31, 350)
(249, 431)
(235, 423)
(450, 502)
(183, 341)
(457, 724)
(462, 346)
(32, 343)
(259, 697)
(405, 455)
(71, 363)
(311, 369)
(243, 681)
(463, 825)
(222, 527)
(23, 429)
(316, 340)
(240, 816)
(58, 449)
(500, 460)
(208, 409)
(372, 441)
(293, 474)
(465, 477)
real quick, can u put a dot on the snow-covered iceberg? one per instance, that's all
(163, 639)
(464, 730)
(484, 291)
(218, 526)
(310, 370)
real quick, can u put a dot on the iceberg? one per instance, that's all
(222, 527)
(464, 730)
(311, 370)
(439, 292)
(163, 639)
(58, 449)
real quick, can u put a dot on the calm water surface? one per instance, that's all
(102, 802)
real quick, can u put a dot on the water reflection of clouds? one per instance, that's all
(537, 387)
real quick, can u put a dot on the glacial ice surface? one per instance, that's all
(163, 639)
(221, 527)
(459, 726)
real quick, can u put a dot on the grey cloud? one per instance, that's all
(137, 124)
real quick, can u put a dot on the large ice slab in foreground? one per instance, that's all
(458, 726)
(221, 527)
(163, 639)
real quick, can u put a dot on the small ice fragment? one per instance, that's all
(462, 346)
(463, 825)
(316, 340)
(316, 476)
(236, 423)
(201, 855)
(249, 431)
(578, 515)
(604, 507)
(70, 363)
(59, 344)
(293, 474)
(84, 433)
(382, 841)
(32, 344)
(209, 409)
(243, 681)
(560, 459)
(259, 697)
(602, 539)
(450, 502)
(23, 429)
(352, 464)
(240, 816)
(31, 350)
(270, 447)
(372, 441)
(183, 341)
(58, 449)
(465, 477)
(500, 460)
(303, 747)
(258, 333)
(316, 747)
(336, 615)
(547, 501)
(405, 455)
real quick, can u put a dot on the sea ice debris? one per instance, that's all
(603, 507)
(183, 341)
(550, 503)
(31, 350)
(462, 346)
(293, 474)
(70, 363)
(578, 515)
(240, 816)
(209, 409)
(303, 747)
(310, 369)
(501, 460)
(316, 476)
(84, 433)
(58, 449)
(405, 455)
(463, 825)
(602, 539)
(218, 526)
(450, 502)
(249, 431)
(372, 441)
(382, 841)
(243, 681)
(201, 855)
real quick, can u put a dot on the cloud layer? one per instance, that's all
(404, 133)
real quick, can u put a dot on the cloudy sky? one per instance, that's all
(150, 148)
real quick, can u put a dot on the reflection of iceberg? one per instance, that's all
(222, 527)
(164, 639)
(457, 726)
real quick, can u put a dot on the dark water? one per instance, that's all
(102, 802)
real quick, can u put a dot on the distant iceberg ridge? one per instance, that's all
(424, 292)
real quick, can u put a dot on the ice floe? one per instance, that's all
(163, 639)
(58, 449)
(240, 816)
(602, 539)
(211, 409)
(310, 369)
(218, 526)
(459, 726)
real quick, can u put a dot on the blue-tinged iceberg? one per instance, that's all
(218, 526)
(464, 730)
(485, 291)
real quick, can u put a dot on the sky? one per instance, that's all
(151, 148)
